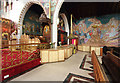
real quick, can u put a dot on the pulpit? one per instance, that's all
(46, 23)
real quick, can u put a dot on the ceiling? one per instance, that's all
(37, 9)
(83, 9)
(89, 9)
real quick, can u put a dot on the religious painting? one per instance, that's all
(5, 36)
(62, 37)
(61, 25)
(46, 30)
(26, 28)
(8, 28)
(47, 33)
(6, 25)
(33, 18)
(31, 24)
(101, 30)
(32, 28)
(41, 30)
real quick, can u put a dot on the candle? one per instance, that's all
(71, 23)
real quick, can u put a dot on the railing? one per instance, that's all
(17, 54)
(99, 73)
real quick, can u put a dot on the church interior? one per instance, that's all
(59, 41)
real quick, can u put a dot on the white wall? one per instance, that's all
(19, 10)
(16, 10)
(18, 6)
(14, 14)
(54, 25)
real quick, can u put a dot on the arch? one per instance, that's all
(54, 26)
(23, 12)
(66, 24)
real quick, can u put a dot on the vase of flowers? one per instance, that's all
(51, 45)
(60, 43)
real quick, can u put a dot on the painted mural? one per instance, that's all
(31, 25)
(45, 4)
(103, 30)
(61, 25)
(8, 26)
(53, 6)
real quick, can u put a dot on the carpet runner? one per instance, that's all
(86, 63)
(73, 78)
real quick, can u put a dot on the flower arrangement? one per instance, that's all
(60, 43)
(51, 45)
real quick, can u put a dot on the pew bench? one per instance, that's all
(112, 64)
(99, 73)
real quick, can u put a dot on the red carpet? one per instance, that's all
(12, 58)
(13, 63)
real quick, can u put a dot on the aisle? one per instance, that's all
(57, 71)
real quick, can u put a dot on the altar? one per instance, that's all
(56, 54)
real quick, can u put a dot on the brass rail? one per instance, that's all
(21, 52)
(24, 44)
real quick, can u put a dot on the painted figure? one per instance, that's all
(46, 29)
(32, 27)
(41, 31)
(37, 30)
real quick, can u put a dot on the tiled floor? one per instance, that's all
(57, 71)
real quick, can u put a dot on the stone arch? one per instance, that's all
(54, 26)
(66, 24)
(23, 12)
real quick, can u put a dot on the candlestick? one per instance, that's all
(71, 23)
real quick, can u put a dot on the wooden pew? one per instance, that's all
(113, 50)
(99, 73)
(112, 63)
